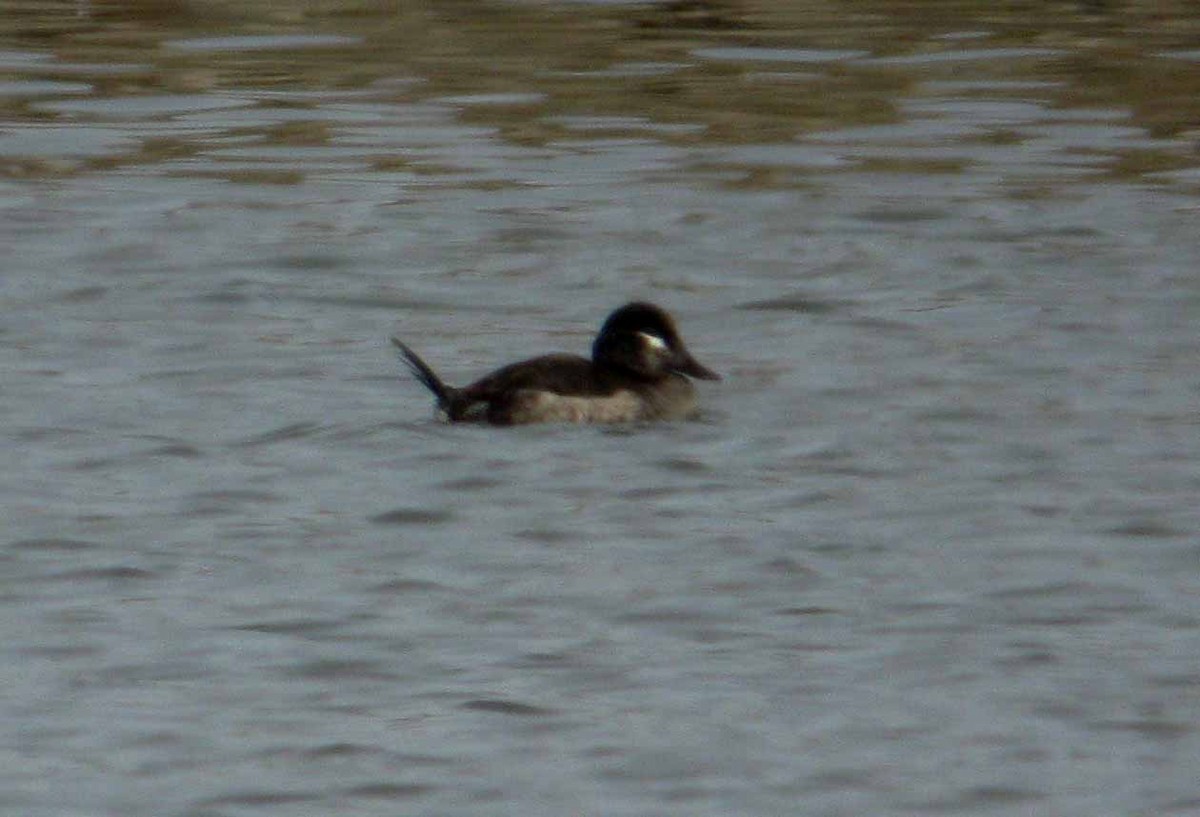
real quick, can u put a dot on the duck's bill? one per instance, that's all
(686, 364)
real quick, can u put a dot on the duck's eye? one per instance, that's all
(653, 341)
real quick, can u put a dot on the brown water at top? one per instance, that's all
(202, 80)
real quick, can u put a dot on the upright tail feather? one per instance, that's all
(420, 370)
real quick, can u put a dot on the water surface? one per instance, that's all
(931, 547)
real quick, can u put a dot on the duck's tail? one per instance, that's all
(420, 370)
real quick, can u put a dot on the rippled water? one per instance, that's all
(931, 548)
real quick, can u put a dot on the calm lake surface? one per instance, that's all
(932, 548)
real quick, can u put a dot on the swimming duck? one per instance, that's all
(638, 371)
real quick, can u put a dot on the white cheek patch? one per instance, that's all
(653, 341)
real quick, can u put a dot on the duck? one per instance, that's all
(639, 371)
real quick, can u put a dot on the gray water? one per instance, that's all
(931, 548)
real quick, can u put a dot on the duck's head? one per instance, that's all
(641, 338)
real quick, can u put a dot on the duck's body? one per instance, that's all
(638, 372)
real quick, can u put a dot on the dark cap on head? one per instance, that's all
(641, 338)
